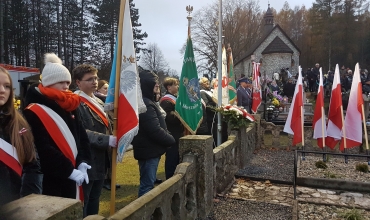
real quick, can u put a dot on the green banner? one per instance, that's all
(188, 104)
(232, 85)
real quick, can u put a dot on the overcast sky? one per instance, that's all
(166, 24)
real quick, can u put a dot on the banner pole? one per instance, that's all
(219, 66)
(116, 94)
(302, 121)
(323, 120)
(344, 134)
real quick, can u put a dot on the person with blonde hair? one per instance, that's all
(60, 137)
(17, 150)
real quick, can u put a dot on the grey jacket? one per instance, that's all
(98, 135)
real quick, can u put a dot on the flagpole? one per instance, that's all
(365, 129)
(219, 66)
(115, 113)
(323, 133)
(302, 121)
(344, 134)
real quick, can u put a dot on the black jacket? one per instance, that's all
(55, 166)
(174, 125)
(12, 186)
(98, 135)
(153, 137)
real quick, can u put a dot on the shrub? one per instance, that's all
(353, 214)
(362, 167)
(321, 165)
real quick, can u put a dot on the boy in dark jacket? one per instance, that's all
(98, 130)
(153, 138)
(174, 125)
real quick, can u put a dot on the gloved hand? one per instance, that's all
(83, 167)
(112, 141)
(77, 176)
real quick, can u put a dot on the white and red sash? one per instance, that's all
(169, 97)
(9, 156)
(60, 133)
(94, 106)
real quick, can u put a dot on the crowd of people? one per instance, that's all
(61, 144)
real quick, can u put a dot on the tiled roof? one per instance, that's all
(277, 46)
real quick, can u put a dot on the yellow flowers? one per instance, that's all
(275, 102)
(17, 103)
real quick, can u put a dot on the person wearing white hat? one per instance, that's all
(60, 138)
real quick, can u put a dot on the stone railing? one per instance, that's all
(189, 194)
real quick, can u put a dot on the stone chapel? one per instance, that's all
(274, 50)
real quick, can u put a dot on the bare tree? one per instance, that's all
(153, 59)
(241, 24)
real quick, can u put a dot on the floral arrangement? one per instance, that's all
(235, 116)
(275, 102)
(17, 103)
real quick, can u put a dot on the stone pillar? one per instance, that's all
(42, 207)
(257, 117)
(201, 147)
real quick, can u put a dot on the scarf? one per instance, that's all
(95, 104)
(67, 100)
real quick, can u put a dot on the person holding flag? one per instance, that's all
(153, 138)
(319, 123)
(244, 94)
(335, 114)
(174, 125)
(98, 129)
(294, 122)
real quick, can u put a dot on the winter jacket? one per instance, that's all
(54, 164)
(98, 135)
(12, 186)
(174, 125)
(153, 137)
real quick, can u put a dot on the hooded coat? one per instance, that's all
(153, 137)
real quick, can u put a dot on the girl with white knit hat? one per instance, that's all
(60, 138)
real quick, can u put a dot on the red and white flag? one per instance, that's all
(335, 120)
(224, 82)
(257, 94)
(130, 102)
(353, 120)
(319, 124)
(294, 122)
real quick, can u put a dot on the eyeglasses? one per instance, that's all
(91, 80)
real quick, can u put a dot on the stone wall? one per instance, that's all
(202, 173)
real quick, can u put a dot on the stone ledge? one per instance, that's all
(39, 207)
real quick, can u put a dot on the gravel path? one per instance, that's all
(233, 209)
(270, 164)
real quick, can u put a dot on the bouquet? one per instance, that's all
(235, 116)
(17, 103)
(275, 102)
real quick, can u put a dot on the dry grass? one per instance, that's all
(128, 178)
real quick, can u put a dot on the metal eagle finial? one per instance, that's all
(189, 9)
